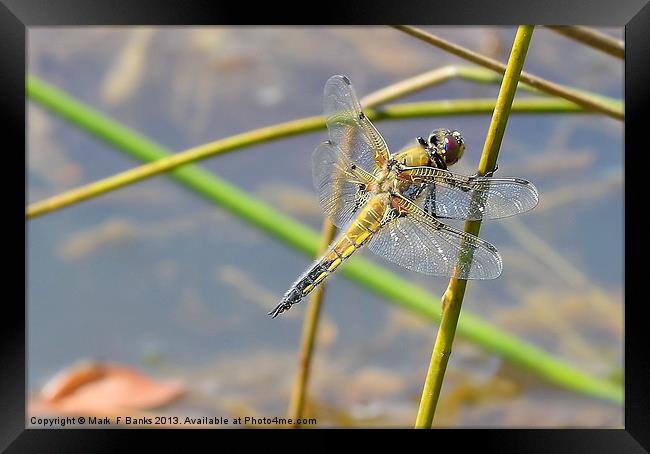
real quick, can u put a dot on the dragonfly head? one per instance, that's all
(448, 143)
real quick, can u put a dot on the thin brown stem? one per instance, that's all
(309, 331)
(592, 38)
(541, 84)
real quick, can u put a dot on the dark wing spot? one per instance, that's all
(361, 116)
(346, 80)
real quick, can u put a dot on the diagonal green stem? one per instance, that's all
(453, 297)
(119, 136)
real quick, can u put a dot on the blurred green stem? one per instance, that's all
(452, 300)
(119, 136)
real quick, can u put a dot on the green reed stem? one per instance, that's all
(308, 339)
(576, 96)
(120, 136)
(453, 298)
(362, 271)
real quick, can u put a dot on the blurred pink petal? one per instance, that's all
(103, 389)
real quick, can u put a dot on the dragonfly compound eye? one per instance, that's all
(452, 148)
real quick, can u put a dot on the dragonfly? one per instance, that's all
(393, 203)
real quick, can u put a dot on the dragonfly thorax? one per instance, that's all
(386, 177)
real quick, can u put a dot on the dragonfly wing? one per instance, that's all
(419, 242)
(348, 126)
(454, 196)
(339, 185)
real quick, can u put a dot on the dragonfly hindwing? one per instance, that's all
(360, 198)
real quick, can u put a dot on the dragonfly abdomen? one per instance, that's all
(356, 235)
(339, 251)
(316, 274)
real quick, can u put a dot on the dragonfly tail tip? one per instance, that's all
(280, 308)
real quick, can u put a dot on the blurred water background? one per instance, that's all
(155, 277)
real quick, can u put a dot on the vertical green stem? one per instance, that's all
(453, 298)
(310, 325)
(309, 330)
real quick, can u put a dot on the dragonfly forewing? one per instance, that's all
(454, 196)
(348, 126)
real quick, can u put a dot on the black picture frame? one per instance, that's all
(17, 15)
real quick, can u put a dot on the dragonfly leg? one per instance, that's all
(438, 160)
(490, 173)
(430, 203)
(430, 200)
